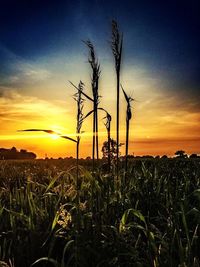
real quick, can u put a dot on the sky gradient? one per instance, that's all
(41, 49)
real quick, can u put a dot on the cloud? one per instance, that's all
(30, 110)
(162, 141)
(16, 71)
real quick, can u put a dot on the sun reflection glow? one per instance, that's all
(54, 136)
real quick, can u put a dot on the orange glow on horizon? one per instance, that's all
(161, 123)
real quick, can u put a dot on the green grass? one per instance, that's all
(154, 223)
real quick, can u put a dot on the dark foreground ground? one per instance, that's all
(148, 216)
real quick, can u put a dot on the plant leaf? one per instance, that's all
(49, 132)
(88, 97)
(125, 95)
(88, 114)
(69, 138)
(46, 259)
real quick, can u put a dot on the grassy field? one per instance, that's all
(150, 218)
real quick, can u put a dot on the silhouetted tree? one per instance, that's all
(13, 153)
(180, 154)
(110, 147)
(193, 156)
(13, 149)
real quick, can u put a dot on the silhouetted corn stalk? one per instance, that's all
(107, 124)
(88, 114)
(79, 120)
(128, 99)
(79, 100)
(95, 91)
(116, 44)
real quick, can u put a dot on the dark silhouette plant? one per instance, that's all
(49, 132)
(116, 45)
(93, 61)
(107, 124)
(128, 99)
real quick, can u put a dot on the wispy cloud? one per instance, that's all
(16, 71)
(30, 110)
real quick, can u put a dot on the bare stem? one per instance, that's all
(117, 40)
(95, 88)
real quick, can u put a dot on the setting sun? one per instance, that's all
(54, 136)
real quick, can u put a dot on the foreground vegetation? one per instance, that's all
(151, 218)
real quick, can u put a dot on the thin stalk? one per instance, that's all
(107, 124)
(95, 88)
(77, 161)
(77, 184)
(93, 139)
(117, 40)
(117, 124)
(79, 121)
(109, 158)
(97, 138)
(127, 140)
(128, 99)
(77, 202)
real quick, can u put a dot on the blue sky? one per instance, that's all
(163, 36)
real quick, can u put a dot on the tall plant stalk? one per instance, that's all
(95, 91)
(107, 124)
(116, 44)
(128, 99)
(79, 120)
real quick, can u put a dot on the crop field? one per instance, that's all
(147, 216)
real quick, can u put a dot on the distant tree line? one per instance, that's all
(13, 153)
(112, 152)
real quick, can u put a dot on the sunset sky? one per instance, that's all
(41, 49)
